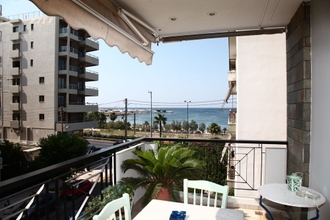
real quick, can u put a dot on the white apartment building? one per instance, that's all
(44, 73)
(257, 81)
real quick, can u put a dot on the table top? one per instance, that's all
(279, 193)
(161, 210)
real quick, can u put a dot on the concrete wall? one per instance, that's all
(320, 139)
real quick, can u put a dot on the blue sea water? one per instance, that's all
(200, 115)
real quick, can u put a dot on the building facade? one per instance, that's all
(44, 75)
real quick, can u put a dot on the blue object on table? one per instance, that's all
(176, 215)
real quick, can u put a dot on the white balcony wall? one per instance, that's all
(261, 99)
(319, 178)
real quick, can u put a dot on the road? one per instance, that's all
(100, 143)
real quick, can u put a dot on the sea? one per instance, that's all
(200, 115)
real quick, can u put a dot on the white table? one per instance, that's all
(279, 193)
(161, 210)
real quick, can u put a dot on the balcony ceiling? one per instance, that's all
(171, 18)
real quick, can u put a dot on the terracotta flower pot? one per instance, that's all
(163, 194)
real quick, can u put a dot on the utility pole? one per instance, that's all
(125, 119)
(150, 113)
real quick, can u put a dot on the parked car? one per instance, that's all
(76, 188)
(32, 213)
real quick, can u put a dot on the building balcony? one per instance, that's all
(89, 44)
(89, 60)
(250, 158)
(14, 106)
(89, 75)
(15, 36)
(68, 51)
(89, 91)
(15, 71)
(14, 88)
(75, 126)
(14, 54)
(75, 107)
(66, 32)
(71, 71)
(14, 124)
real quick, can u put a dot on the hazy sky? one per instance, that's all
(195, 71)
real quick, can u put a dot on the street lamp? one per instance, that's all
(150, 113)
(187, 117)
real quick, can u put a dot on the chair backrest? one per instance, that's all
(114, 208)
(205, 187)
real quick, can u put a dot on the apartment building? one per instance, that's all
(45, 67)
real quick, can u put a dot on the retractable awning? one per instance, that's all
(103, 19)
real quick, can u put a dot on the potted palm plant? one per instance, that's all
(162, 171)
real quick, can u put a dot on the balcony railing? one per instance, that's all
(244, 156)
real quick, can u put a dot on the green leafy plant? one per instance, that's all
(109, 193)
(163, 168)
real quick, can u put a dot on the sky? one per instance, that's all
(195, 71)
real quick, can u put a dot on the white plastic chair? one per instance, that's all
(205, 187)
(113, 207)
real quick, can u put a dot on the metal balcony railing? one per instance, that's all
(102, 168)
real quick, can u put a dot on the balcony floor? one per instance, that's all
(249, 214)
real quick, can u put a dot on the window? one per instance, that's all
(41, 98)
(31, 44)
(31, 62)
(15, 29)
(41, 80)
(24, 28)
(32, 26)
(41, 117)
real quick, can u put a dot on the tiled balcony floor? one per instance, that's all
(249, 214)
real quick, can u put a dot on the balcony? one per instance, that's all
(89, 43)
(14, 54)
(68, 51)
(15, 71)
(89, 91)
(71, 71)
(15, 36)
(75, 107)
(14, 88)
(14, 124)
(74, 126)
(14, 106)
(89, 75)
(89, 60)
(65, 32)
(250, 156)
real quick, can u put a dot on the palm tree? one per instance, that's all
(159, 119)
(113, 116)
(224, 130)
(162, 170)
(146, 124)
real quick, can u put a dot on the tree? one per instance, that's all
(59, 147)
(97, 116)
(113, 116)
(176, 126)
(193, 125)
(160, 119)
(146, 126)
(224, 130)
(214, 128)
(163, 168)
(202, 127)
(13, 160)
